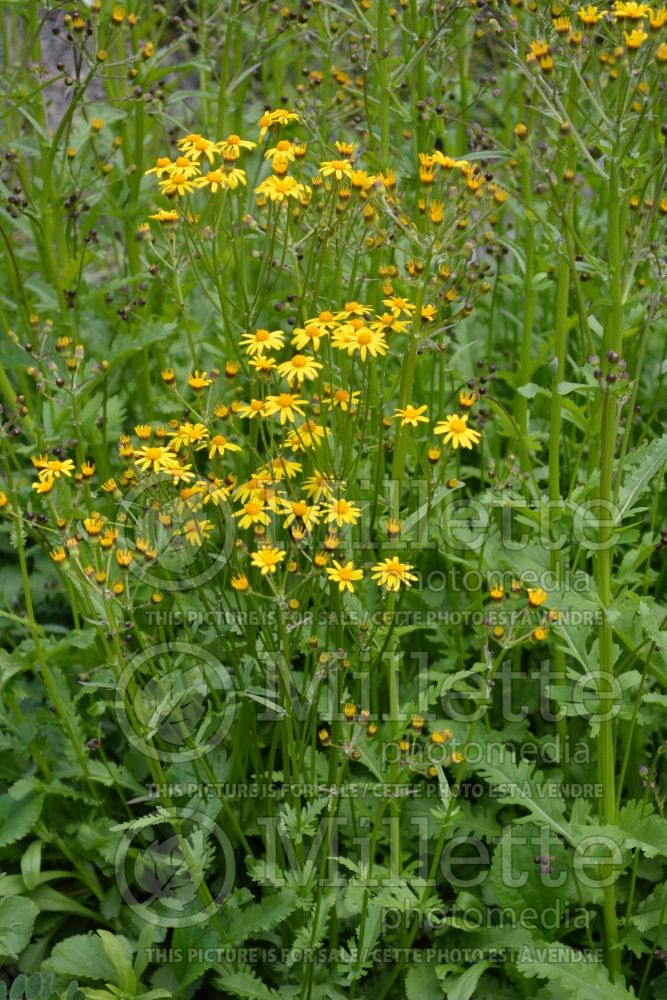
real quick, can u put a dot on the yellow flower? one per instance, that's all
(93, 524)
(635, 39)
(262, 340)
(52, 468)
(411, 416)
(455, 428)
(219, 444)
(341, 512)
(399, 305)
(281, 188)
(633, 11)
(391, 573)
(58, 555)
(345, 576)
(231, 146)
(336, 168)
(308, 336)
(156, 458)
(318, 485)
(267, 559)
(307, 435)
(467, 399)
(162, 167)
(307, 514)
(255, 408)
(254, 512)
(240, 582)
(279, 117)
(197, 146)
(198, 380)
(590, 14)
(177, 183)
(299, 368)
(196, 531)
(537, 597)
(284, 151)
(286, 404)
(356, 336)
(124, 557)
(188, 434)
(165, 218)
(343, 398)
(220, 178)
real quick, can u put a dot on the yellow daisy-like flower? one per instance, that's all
(308, 336)
(635, 39)
(631, 11)
(306, 514)
(410, 416)
(281, 188)
(196, 532)
(198, 380)
(267, 559)
(177, 183)
(222, 179)
(399, 306)
(188, 434)
(197, 146)
(231, 146)
(392, 573)
(162, 168)
(590, 15)
(155, 458)
(299, 368)
(52, 468)
(262, 340)
(277, 118)
(286, 404)
(318, 485)
(343, 398)
(339, 169)
(283, 150)
(341, 512)
(219, 444)
(254, 512)
(456, 430)
(307, 435)
(356, 336)
(255, 408)
(345, 576)
(262, 364)
(467, 399)
(537, 597)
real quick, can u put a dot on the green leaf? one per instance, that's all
(577, 979)
(82, 956)
(17, 915)
(421, 981)
(247, 984)
(18, 818)
(645, 463)
(463, 987)
(263, 916)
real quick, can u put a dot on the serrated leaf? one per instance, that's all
(82, 956)
(421, 981)
(18, 818)
(645, 463)
(17, 915)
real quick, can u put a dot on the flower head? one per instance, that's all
(456, 430)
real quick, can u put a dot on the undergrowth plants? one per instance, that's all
(331, 500)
